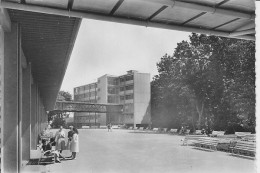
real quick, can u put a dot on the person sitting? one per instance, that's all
(47, 148)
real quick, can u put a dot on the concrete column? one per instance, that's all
(1, 88)
(5, 26)
(12, 101)
(26, 114)
(37, 114)
(33, 116)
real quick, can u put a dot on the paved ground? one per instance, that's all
(123, 151)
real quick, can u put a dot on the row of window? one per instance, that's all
(126, 78)
(84, 99)
(85, 88)
(128, 87)
(127, 97)
(84, 96)
(112, 81)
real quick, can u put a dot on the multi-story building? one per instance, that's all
(132, 90)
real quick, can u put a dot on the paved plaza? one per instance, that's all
(128, 151)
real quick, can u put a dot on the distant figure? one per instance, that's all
(74, 143)
(60, 140)
(203, 131)
(109, 127)
(181, 130)
(70, 135)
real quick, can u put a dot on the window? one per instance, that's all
(122, 98)
(76, 90)
(129, 97)
(122, 88)
(131, 77)
(129, 87)
(111, 99)
(122, 80)
(111, 90)
(93, 93)
(112, 81)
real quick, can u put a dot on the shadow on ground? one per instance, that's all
(46, 161)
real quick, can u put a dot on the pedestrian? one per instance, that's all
(60, 140)
(70, 135)
(109, 127)
(74, 143)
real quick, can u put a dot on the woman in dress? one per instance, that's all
(60, 140)
(74, 143)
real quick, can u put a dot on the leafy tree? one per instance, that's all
(64, 96)
(58, 118)
(58, 121)
(209, 81)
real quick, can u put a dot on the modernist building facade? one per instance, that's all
(132, 90)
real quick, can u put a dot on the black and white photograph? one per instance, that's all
(129, 86)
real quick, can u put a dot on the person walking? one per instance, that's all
(60, 140)
(74, 143)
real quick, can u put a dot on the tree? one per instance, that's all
(58, 118)
(58, 121)
(208, 81)
(64, 96)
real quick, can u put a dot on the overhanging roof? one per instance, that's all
(228, 18)
(47, 42)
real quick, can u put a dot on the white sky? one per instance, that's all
(113, 48)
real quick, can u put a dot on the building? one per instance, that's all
(32, 65)
(132, 90)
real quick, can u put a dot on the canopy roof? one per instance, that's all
(228, 18)
(47, 42)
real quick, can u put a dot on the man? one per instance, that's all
(70, 135)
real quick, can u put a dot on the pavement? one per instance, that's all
(127, 151)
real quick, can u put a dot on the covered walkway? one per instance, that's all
(34, 53)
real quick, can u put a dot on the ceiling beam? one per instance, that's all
(221, 3)
(248, 25)
(118, 4)
(226, 23)
(203, 8)
(245, 32)
(70, 5)
(117, 19)
(157, 12)
(193, 18)
(5, 21)
(202, 13)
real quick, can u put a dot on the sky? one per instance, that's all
(113, 48)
